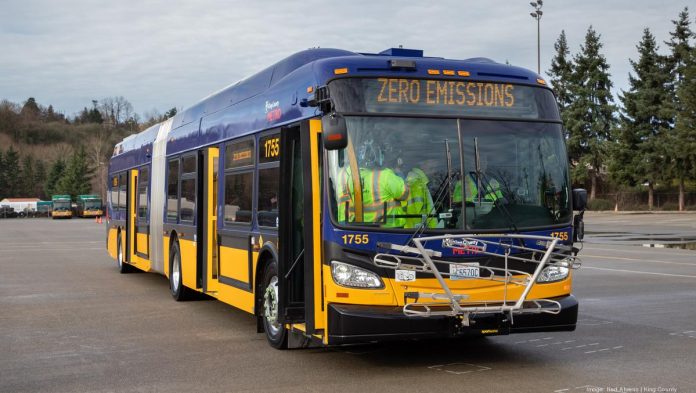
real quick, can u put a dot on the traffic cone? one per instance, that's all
(96, 220)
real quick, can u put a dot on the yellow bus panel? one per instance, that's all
(234, 263)
(188, 262)
(111, 242)
(142, 243)
(165, 255)
(236, 297)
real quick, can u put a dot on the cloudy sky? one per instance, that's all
(164, 53)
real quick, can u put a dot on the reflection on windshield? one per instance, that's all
(401, 170)
(61, 205)
(516, 175)
(405, 173)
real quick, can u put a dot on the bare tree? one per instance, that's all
(115, 110)
(97, 157)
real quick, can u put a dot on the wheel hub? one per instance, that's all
(175, 275)
(270, 298)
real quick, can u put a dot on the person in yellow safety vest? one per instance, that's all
(490, 190)
(379, 186)
(419, 201)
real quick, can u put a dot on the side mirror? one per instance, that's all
(578, 228)
(579, 199)
(334, 132)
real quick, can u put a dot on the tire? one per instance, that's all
(276, 333)
(123, 267)
(176, 285)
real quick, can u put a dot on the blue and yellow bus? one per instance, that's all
(345, 197)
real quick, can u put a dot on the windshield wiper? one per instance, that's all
(442, 190)
(449, 172)
(481, 177)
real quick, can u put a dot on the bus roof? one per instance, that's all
(88, 197)
(278, 95)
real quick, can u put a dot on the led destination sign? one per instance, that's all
(441, 92)
(456, 98)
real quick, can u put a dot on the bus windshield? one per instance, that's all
(61, 205)
(449, 174)
(94, 204)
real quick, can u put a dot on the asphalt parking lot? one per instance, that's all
(70, 323)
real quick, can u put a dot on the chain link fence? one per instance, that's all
(625, 201)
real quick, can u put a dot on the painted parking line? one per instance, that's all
(686, 333)
(637, 260)
(638, 272)
(459, 368)
(604, 349)
(52, 249)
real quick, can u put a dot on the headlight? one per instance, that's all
(553, 273)
(352, 276)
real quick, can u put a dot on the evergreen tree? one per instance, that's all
(678, 61)
(685, 125)
(2, 176)
(639, 154)
(39, 179)
(170, 113)
(561, 73)
(76, 178)
(11, 169)
(56, 173)
(679, 45)
(30, 110)
(590, 115)
(27, 181)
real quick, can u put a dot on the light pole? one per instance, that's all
(537, 15)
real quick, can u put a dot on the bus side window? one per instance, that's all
(172, 189)
(268, 197)
(113, 194)
(187, 196)
(143, 180)
(122, 194)
(239, 181)
(238, 191)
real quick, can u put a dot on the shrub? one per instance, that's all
(671, 206)
(600, 204)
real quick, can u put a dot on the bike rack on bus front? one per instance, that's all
(449, 304)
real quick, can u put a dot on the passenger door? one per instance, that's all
(300, 265)
(131, 216)
(142, 225)
(207, 223)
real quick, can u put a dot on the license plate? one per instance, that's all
(461, 271)
(405, 276)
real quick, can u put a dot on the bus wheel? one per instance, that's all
(176, 284)
(123, 267)
(276, 333)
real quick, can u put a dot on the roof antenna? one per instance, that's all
(401, 47)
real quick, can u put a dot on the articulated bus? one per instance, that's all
(344, 197)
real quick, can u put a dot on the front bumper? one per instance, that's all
(350, 324)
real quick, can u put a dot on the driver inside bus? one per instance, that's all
(383, 191)
(489, 190)
(419, 205)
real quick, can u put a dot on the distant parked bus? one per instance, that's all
(62, 206)
(89, 206)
